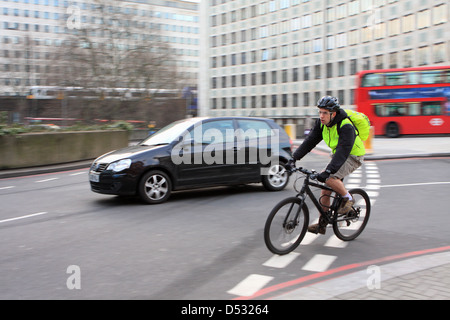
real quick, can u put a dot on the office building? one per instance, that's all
(32, 33)
(276, 58)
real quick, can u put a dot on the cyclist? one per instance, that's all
(348, 152)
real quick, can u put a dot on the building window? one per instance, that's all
(422, 56)
(274, 77)
(407, 58)
(317, 71)
(295, 100)
(439, 52)
(353, 66)
(393, 60)
(306, 73)
(380, 30)
(253, 79)
(440, 14)
(341, 69)
(306, 99)
(295, 74)
(329, 70)
(408, 23)
(366, 34)
(341, 97)
(274, 101)
(423, 19)
(263, 77)
(263, 101)
(284, 76)
(317, 45)
(394, 27)
(379, 61)
(284, 100)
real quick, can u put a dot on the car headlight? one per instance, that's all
(119, 165)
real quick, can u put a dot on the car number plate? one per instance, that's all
(94, 177)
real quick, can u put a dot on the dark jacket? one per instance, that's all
(347, 137)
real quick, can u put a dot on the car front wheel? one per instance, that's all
(276, 178)
(155, 187)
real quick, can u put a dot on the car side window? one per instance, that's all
(212, 132)
(252, 129)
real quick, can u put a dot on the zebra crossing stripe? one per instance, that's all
(250, 285)
(281, 261)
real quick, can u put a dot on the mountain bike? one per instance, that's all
(288, 221)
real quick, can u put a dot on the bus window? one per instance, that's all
(395, 79)
(391, 110)
(414, 109)
(431, 108)
(430, 77)
(447, 76)
(372, 80)
(380, 110)
(412, 78)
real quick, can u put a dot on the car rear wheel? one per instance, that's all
(276, 177)
(155, 187)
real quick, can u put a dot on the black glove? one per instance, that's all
(323, 176)
(290, 165)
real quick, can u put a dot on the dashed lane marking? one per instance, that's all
(319, 263)
(23, 217)
(281, 261)
(46, 180)
(250, 285)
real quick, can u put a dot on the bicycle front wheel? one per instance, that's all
(286, 226)
(350, 225)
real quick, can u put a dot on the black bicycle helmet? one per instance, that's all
(329, 103)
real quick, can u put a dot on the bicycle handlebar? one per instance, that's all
(312, 174)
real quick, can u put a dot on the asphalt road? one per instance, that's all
(62, 241)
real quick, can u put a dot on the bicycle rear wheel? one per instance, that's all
(350, 225)
(286, 226)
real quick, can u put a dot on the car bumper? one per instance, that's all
(112, 183)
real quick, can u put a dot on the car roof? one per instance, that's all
(198, 119)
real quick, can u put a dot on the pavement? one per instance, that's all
(418, 276)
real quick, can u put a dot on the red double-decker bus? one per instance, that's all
(406, 101)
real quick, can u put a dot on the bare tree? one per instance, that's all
(117, 49)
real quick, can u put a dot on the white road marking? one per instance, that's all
(23, 217)
(319, 263)
(415, 184)
(8, 187)
(281, 261)
(309, 237)
(78, 173)
(46, 180)
(250, 285)
(335, 242)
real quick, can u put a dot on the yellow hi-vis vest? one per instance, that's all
(331, 138)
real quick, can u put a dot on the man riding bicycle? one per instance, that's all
(338, 132)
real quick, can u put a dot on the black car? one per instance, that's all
(195, 153)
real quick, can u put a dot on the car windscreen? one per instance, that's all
(168, 134)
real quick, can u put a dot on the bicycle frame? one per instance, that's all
(306, 191)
